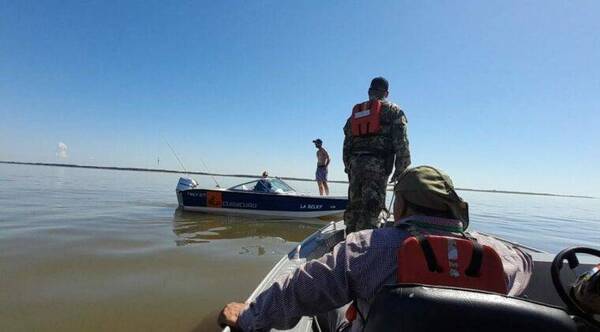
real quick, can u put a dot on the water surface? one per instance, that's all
(100, 250)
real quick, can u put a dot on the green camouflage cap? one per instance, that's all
(431, 188)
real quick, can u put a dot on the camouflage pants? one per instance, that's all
(366, 193)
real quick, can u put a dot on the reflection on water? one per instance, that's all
(194, 227)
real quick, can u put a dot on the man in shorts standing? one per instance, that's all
(322, 163)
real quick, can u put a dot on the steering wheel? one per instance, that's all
(570, 255)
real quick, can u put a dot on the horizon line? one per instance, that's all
(162, 170)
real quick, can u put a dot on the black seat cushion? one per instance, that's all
(420, 308)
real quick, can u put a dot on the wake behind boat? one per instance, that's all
(270, 197)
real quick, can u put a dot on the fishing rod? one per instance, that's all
(183, 166)
(176, 156)
(208, 171)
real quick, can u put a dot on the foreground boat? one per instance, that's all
(425, 308)
(279, 200)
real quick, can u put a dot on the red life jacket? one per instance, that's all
(447, 261)
(366, 118)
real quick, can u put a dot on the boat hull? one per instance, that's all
(260, 204)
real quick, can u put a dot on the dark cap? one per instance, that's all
(431, 188)
(379, 84)
(318, 141)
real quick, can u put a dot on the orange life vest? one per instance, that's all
(366, 118)
(447, 261)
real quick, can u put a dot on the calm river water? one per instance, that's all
(99, 250)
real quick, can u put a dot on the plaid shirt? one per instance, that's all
(357, 268)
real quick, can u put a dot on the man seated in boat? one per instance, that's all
(264, 184)
(429, 229)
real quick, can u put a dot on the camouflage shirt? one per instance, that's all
(391, 143)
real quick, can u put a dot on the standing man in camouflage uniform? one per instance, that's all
(375, 142)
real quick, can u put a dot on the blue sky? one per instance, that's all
(500, 94)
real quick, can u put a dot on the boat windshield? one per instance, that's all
(279, 184)
(269, 185)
